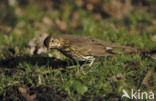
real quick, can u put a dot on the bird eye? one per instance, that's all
(52, 41)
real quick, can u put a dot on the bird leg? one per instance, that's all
(91, 62)
(91, 59)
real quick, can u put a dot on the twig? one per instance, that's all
(147, 78)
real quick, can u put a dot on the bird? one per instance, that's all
(84, 48)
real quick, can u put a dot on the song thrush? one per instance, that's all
(84, 48)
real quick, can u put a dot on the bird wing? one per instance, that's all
(86, 45)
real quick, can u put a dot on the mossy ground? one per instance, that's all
(77, 82)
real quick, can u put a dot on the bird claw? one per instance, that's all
(91, 62)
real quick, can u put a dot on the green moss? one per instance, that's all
(96, 82)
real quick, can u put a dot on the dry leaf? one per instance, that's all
(147, 78)
(19, 12)
(92, 4)
(5, 28)
(153, 38)
(79, 3)
(26, 95)
(116, 77)
(47, 21)
(36, 45)
(98, 17)
(61, 24)
(117, 8)
(75, 17)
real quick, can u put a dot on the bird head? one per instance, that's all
(52, 42)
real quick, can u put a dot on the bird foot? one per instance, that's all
(91, 62)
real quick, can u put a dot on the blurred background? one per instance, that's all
(126, 22)
(73, 16)
(106, 19)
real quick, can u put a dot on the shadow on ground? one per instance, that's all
(40, 93)
(12, 62)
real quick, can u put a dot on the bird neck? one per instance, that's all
(66, 46)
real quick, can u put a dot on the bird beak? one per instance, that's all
(46, 42)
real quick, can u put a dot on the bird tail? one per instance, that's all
(128, 50)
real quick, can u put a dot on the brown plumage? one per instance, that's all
(84, 48)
